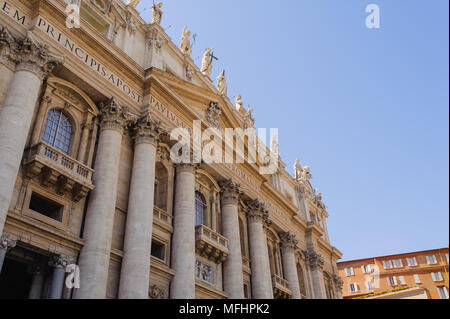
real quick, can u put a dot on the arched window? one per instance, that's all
(200, 209)
(58, 131)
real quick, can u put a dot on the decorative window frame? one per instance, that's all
(34, 188)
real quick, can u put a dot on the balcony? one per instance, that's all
(163, 219)
(280, 288)
(210, 244)
(54, 168)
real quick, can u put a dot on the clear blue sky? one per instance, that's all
(368, 110)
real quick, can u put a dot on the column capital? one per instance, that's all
(7, 47)
(114, 116)
(314, 259)
(191, 167)
(146, 130)
(338, 282)
(288, 241)
(256, 212)
(27, 54)
(7, 242)
(231, 192)
(60, 261)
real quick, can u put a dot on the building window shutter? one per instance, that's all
(363, 269)
(417, 279)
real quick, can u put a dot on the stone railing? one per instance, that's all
(62, 162)
(161, 215)
(280, 288)
(210, 244)
(54, 167)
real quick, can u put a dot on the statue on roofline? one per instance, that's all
(157, 13)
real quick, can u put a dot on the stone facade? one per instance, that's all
(89, 188)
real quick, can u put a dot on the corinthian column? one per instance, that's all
(32, 63)
(183, 242)
(135, 274)
(95, 255)
(289, 245)
(59, 264)
(233, 278)
(259, 255)
(316, 262)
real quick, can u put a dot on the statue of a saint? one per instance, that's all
(298, 171)
(157, 13)
(239, 104)
(222, 84)
(207, 62)
(186, 42)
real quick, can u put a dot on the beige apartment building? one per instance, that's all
(416, 275)
(89, 187)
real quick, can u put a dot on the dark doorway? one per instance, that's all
(15, 281)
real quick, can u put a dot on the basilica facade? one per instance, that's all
(93, 204)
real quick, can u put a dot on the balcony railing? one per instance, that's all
(55, 167)
(280, 288)
(161, 215)
(210, 244)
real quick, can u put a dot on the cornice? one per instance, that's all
(281, 199)
(102, 46)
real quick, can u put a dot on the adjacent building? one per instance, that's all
(89, 186)
(416, 275)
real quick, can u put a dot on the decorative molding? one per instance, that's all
(338, 282)
(156, 292)
(114, 116)
(60, 261)
(230, 191)
(205, 272)
(147, 130)
(7, 47)
(27, 54)
(154, 41)
(314, 259)
(213, 114)
(7, 242)
(289, 241)
(256, 212)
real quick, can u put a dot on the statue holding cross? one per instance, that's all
(207, 61)
(157, 13)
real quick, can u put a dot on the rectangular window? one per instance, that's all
(392, 281)
(411, 261)
(387, 264)
(398, 263)
(443, 293)
(431, 260)
(437, 276)
(417, 279)
(158, 250)
(369, 285)
(349, 272)
(402, 280)
(366, 269)
(46, 207)
(353, 287)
